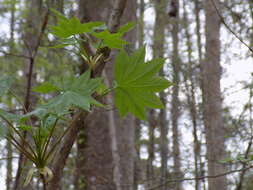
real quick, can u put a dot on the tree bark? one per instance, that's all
(175, 112)
(158, 52)
(190, 85)
(8, 144)
(212, 101)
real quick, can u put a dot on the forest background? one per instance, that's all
(203, 137)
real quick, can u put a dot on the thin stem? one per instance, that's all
(17, 132)
(44, 181)
(64, 133)
(49, 138)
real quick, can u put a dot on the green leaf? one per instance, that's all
(112, 40)
(137, 83)
(46, 88)
(5, 84)
(75, 92)
(58, 14)
(127, 27)
(69, 27)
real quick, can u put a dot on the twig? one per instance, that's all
(228, 27)
(201, 177)
(12, 54)
(7, 158)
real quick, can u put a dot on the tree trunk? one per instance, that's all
(175, 112)
(212, 102)
(158, 51)
(94, 168)
(137, 166)
(152, 124)
(190, 85)
(8, 144)
(124, 128)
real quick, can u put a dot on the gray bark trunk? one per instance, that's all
(175, 112)
(158, 51)
(213, 120)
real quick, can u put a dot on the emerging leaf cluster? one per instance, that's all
(70, 27)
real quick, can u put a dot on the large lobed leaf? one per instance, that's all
(137, 83)
(74, 92)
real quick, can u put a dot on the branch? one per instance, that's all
(32, 58)
(228, 27)
(28, 89)
(202, 177)
(15, 55)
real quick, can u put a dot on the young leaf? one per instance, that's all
(45, 88)
(59, 15)
(72, 26)
(112, 40)
(137, 83)
(127, 27)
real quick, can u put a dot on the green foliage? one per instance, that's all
(125, 28)
(73, 92)
(136, 86)
(137, 83)
(72, 26)
(111, 40)
(46, 88)
(67, 28)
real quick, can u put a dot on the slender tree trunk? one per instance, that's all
(158, 51)
(141, 24)
(8, 144)
(191, 98)
(137, 165)
(152, 124)
(200, 59)
(212, 101)
(198, 26)
(175, 112)
(124, 127)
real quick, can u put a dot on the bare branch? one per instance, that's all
(15, 55)
(202, 177)
(228, 27)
